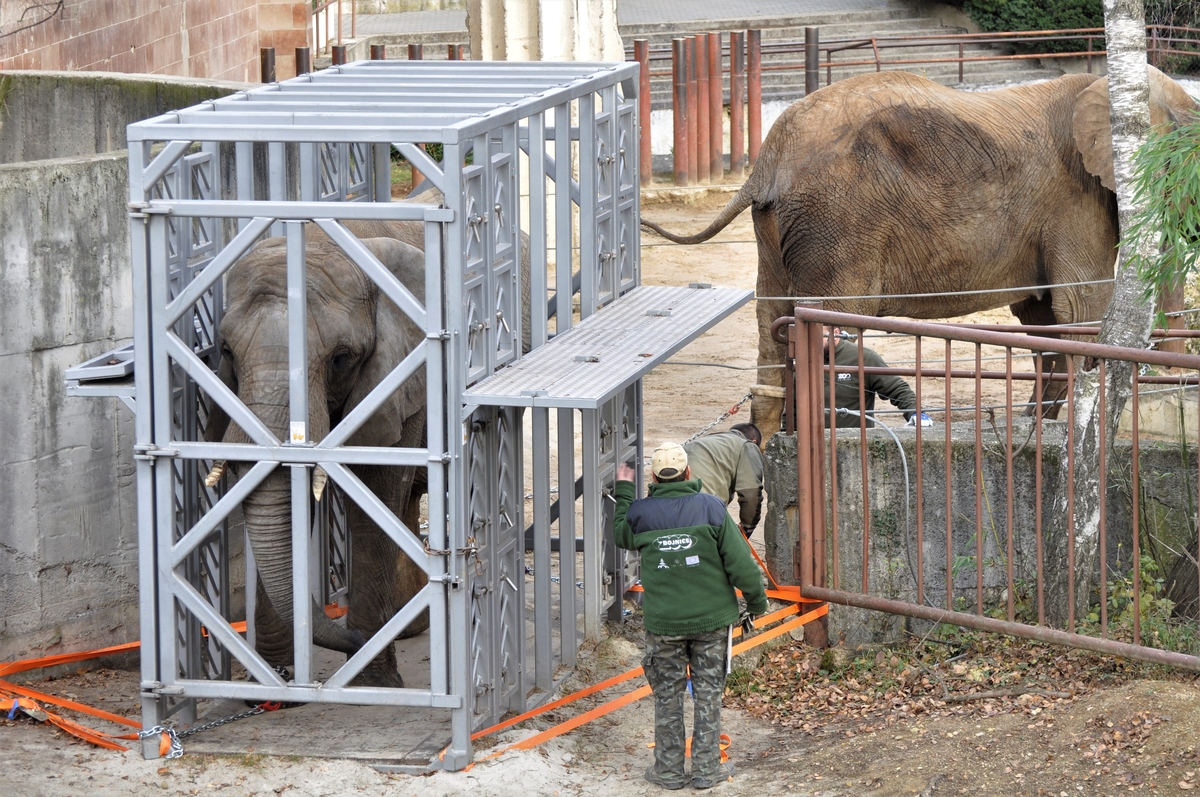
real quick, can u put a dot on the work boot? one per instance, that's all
(657, 779)
(726, 772)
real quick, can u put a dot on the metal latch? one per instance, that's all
(140, 210)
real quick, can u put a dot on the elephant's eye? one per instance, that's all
(340, 362)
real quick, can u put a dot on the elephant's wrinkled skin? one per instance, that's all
(356, 336)
(889, 183)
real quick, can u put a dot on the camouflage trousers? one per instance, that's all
(666, 664)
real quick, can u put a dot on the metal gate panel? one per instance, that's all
(814, 554)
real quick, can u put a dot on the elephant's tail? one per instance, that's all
(741, 200)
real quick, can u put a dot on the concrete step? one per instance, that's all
(795, 23)
(790, 85)
(916, 26)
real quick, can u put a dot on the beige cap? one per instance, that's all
(668, 461)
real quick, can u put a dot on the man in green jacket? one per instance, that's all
(693, 558)
(892, 388)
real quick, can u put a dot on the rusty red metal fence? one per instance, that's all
(999, 474)
(701, 65)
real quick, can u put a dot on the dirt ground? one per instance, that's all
(1067, 748)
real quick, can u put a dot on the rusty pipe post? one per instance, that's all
(641, 54)
(716, 109)
(303, 60)
(803, 564)
(812, 60)
(266, 64)
(703, 128)
(816, 634)
(737, 103)
(693, 101)
(454, 52)
(338, 56)
(378, 52)
(830, 392)
(679, 110)
(754, 86)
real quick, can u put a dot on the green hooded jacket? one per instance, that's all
(693, 557)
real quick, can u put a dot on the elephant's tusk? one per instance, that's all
(318, 483)
(214, 475)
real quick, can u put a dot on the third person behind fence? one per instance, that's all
(892, 388)
(693, 557)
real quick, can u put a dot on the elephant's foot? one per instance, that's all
(766, 410)
(417, 626)
(381, 671)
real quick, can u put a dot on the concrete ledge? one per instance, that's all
(685, 195)
(63, 114)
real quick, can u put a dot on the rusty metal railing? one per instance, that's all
(737, 57)
(973, 574)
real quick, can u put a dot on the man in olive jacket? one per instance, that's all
(693, 558)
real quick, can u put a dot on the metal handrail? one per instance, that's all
(1154, 34)
(320, 19)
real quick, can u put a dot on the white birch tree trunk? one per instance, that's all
(1127, 322)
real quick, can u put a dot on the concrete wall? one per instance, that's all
(68, 541)
(68, 573)
(1168, 484)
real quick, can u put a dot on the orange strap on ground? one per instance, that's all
(33, 709)
(638, 694)
(765, 620)
(10, 691)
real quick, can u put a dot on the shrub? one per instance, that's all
(996, 16)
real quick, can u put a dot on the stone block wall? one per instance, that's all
(216, 39)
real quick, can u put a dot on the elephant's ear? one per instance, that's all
(1091, 126)
(218, 419)
(1092, 130)
(395, 336)
(1169, 102)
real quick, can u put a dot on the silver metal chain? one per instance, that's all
(176, 736)
(721, 418)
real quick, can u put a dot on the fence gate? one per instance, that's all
(926, 522)
(535, 217)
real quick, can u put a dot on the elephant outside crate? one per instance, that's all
(888, 183)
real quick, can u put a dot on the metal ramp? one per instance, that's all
(607, 352)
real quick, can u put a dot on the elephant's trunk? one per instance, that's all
(268, 515)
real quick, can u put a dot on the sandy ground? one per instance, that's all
(1002, 755)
